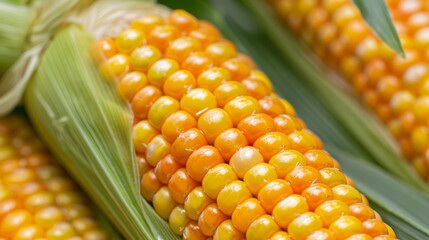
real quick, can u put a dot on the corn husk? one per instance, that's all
(25, 31)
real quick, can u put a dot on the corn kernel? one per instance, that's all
(289, 208)
(196, 201)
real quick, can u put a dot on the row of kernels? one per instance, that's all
(36, 198)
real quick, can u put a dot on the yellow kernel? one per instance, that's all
(345, 14)
(214, 121)
(60, 231)
(210, 219)
(197, 101)
(176, 124)
(59, 184)
(231, 195)
(197, 63)
(49, 172)
(303, 225)
(162, 108)
(143, 100)
(76, 211)
(280, 236)
(244, 159)
(420, 139)
(245, 213)
(67, 198)
(286, 160)
(226, 231)
(180, 185)
(211, 78)
(367, 49)
(262, 228)
(179, 83)
(360, 236)
(258, 176)
(147, 23)
(182, 20)
(216, 178)
(321, 234)
(48, 216)
(13, 221)
(143, 57)
(19, 176)
(27, 232)
(157, 148)
(196, 201)
(129, 39)
(271, 143)
(192, 232)
(401, 102)
(421, 109)
(331, 210)
(143, 133)
(163, 202)
(347, 194)
(229, 142)
(346, 226)
(181, 48)
(39, 200)
(241, 107)
(332, 177)
(84, 224)
(288, 209)
(95, 234)
(178, 220)
(130, 84)
(421, 38)
(221, 51)
(202, 160)
(7, 152)
(317, 194)
(228, 91)
(162, 35)
(161, 70)
(415, 75)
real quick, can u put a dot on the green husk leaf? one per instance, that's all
(353, 117)
(88, 128)
(377, 15)
(404, 208)
(44, 18)
(15, 21)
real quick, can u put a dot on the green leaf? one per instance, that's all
(377, 15)
(88, 128)
(15, 22)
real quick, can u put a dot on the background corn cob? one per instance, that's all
(395, 88)
(37, 198)
(220, 154)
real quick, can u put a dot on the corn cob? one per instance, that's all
(394, 88)
(37, 199)
(220, 155)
